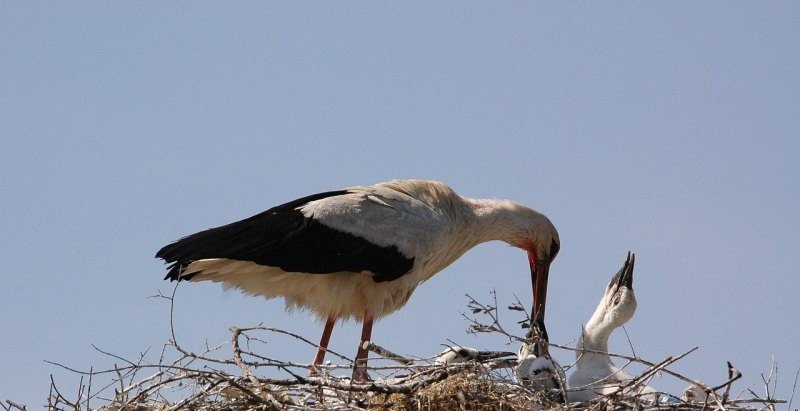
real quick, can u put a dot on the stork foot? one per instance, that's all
(313, 372)
(361, 375)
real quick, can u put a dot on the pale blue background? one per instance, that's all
(668, 128)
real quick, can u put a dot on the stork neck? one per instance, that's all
(472, 222)
(595, 356)
(595, 338)
(500, 220)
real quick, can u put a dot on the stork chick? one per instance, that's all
(595, 374)
(458, 354)
(536, 369)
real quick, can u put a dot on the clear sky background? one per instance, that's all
(668, 128)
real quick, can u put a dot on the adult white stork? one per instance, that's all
(359, 253)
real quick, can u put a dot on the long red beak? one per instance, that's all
(539, 273)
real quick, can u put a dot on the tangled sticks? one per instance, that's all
(209, 381)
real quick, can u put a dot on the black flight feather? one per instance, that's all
(283, 237)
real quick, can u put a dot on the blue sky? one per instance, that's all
(668, 128)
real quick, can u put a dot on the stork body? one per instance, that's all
(359, 253)
(540, 373)
(595, 374)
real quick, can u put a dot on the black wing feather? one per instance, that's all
(283, 237)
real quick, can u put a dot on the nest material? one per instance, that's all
(465, 392)
(201, 387)
(461, 391)
(206, 382)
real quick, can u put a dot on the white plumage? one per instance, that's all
(359, 253)
(595, 374)
(539, 372)
(343, 295)
(535, 368)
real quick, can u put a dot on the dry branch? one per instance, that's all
(204, 381)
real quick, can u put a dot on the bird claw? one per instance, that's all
(360, 375)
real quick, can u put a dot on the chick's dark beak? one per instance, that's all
(491, 355)
(625, 275)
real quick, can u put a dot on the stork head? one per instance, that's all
(619, 302)
(527, 229)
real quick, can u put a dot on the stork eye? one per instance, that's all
(616, 300)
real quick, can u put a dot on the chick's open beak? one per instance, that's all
(625, 274)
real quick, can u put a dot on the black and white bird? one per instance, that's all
(595, 374)
(535, 368)
(457, 354)
(478, 363)
(358, 253)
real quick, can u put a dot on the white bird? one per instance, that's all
(694, 393)
(595, 374)
(536, 369)
(359, 253)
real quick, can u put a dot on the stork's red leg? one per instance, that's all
(360, 373)
(323, 344)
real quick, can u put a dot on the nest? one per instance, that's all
(210, 381)
(458, 387)
(192, 383)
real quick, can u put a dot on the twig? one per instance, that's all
(80, 394)
(637, 360)
(517, 306)
(12, 404)
(242, 388)
(773, 371)
(757, 401)
(202, 376)
(794, 386)
(491, 311)
(59, 397)
(237, 355)
(630, 344)
(733, 375)
(195, 374)
(388, 354)
(89, 389)
(299, 337)
(191, 398)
